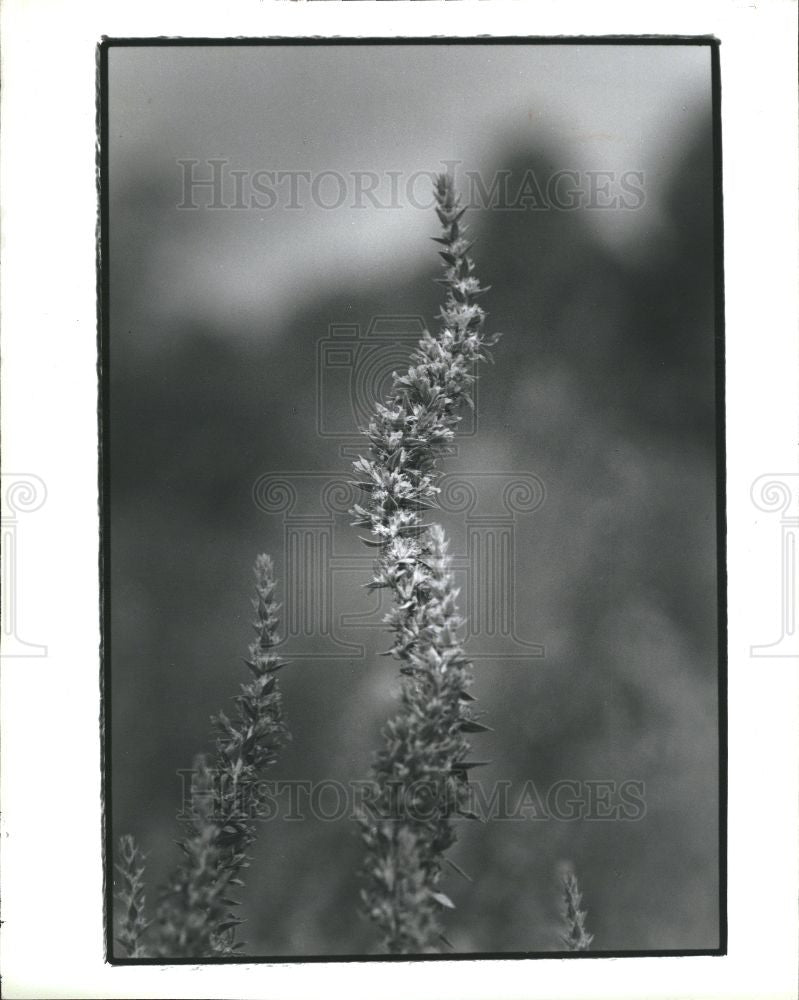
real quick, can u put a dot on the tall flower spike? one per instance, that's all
(196, 916)
(420, 773)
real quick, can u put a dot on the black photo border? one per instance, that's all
(103, 322)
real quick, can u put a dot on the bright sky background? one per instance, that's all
(376, 108)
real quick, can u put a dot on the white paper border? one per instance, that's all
(52, 942)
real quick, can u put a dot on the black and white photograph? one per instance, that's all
(411, 450)
(399, 500)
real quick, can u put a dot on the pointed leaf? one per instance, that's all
(372, 543)
(470, 726)
(467, 765)
(468, 814)
(227, 924)
(459, 870)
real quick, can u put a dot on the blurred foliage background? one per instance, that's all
(603, 386)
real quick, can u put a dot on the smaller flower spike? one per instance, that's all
(196, 916)
(576, 937)
(131, 895)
